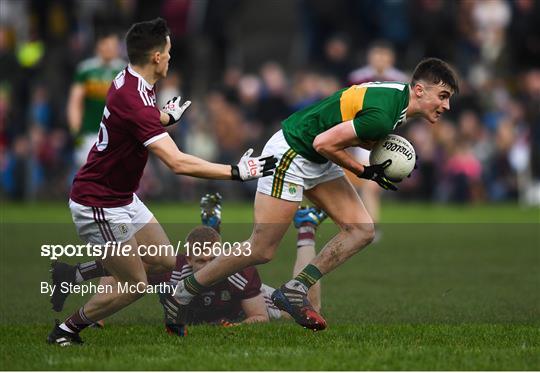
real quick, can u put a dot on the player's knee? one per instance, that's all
(362, 234)
(367, 234)
(262, 257)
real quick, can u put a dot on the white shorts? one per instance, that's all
(294, 173)
(274, 313)
(99, 225)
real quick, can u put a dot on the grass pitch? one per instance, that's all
(447, 288)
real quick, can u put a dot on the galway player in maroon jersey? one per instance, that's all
(241, 297)
(238, 298)
(102, 201)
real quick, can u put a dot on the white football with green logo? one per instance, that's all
(399, 151)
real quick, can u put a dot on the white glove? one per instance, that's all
(253, 167)
(175, 111)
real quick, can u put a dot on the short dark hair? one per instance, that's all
(202, 234)
(105, 31)
(145, 37)
(382, 44)
(436, 71)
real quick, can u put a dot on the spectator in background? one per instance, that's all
(228, 125)
(87, 94)
(433, 26)
(274, 106)
(336, 59)
(524, 34)
(463, 172)
(380, 66)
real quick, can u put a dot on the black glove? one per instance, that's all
(376, 173)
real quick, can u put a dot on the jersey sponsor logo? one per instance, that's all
(225, 295)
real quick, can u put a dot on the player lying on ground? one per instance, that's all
(240, 298)
(103, 205)
(311, 151)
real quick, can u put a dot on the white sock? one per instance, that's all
(181, 295)
(64, 327)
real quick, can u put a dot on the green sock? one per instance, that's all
(309, 275)
(193, 286)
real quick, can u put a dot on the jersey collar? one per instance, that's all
(136, 74)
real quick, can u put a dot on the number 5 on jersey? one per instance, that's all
(103, 136)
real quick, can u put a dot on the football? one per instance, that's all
(399, 151)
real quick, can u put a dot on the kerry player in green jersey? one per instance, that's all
(311, 152)
(89, 90)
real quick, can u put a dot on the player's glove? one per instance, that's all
(175, 111)
(253, 167)
(376, 173)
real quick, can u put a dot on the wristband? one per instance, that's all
(171, 120)
(235, 173)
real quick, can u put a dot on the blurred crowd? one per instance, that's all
(247, 65)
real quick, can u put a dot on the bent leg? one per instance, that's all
(272, 219)
(341, 202)
(124, 269)
(153, 234)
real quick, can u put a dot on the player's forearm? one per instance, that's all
(74, 116)
(341, 158)
(75, 107)
(187, 164)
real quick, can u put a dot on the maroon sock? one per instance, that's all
(78, 321)
(90, 270)
(306, 235)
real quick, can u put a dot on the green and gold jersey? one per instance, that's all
(375, 108)
(96, 78)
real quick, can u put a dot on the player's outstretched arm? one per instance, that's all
(185, 164)
(255, 309)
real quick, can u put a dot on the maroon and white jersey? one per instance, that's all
(222, 300)
(116, 162)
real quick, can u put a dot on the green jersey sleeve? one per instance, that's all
(372, 124)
